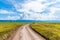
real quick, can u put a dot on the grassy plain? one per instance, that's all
(7, 27)
(49, 30)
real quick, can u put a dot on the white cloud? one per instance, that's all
(35, 16)
(6, 12)
(17, 5)
(32, 9)
(10, 18)
(35, 6)
(13, 17)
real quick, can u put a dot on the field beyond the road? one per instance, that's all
(49, 30)
(7, 27)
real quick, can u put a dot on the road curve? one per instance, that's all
(25, 33)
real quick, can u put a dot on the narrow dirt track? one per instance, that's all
(26, 33)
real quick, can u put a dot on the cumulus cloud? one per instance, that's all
(6, 12)
(34, 10)
(37, 9)
(10, 18)
(10, 15)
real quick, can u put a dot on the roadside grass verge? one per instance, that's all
(7, 27)
(49, 30)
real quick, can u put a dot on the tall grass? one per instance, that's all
(49, 30)
(7, 27)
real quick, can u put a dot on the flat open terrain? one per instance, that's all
(7, 27)
(49, 30)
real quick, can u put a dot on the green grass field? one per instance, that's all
(7, 27)
(49, 30)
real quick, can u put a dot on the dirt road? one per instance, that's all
(26, 33)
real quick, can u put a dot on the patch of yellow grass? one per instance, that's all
(49, 30)
(7, 27)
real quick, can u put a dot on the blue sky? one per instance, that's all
(29, 9)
